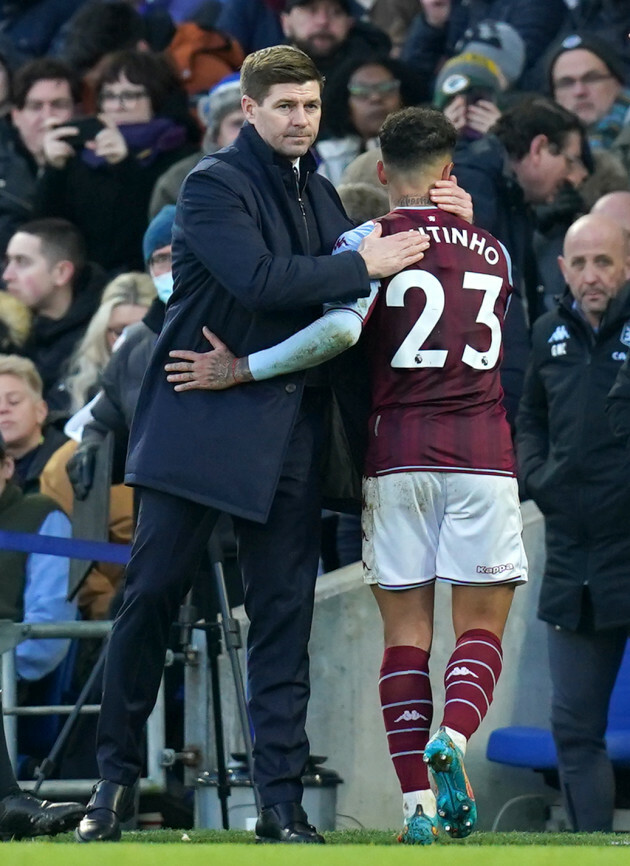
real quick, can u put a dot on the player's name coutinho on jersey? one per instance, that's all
(469, 239)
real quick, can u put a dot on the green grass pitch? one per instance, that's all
(344, 848)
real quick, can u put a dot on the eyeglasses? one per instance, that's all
(570, 160)
(126, 98)
(364, 91)
(586, 80)
(159, 259)
(36, 105)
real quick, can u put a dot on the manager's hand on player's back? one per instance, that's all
(386, 256)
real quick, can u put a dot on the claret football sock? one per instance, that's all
(407, 705)
(469, 680)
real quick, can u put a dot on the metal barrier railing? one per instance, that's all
(11, 634)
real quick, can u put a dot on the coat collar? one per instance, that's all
(249, 140)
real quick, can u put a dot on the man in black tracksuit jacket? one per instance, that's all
(578, 473)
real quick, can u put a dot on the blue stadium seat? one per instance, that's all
(519, 746)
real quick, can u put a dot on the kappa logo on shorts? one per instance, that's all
(494, 569)
(461, 672)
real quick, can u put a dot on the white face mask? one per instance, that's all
(164, 286)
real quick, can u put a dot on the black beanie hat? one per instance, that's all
(601, 49)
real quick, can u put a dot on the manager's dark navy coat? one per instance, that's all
(239, 271)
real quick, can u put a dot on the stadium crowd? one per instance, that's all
(107, 105)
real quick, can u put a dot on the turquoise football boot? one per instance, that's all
(456, 806)
(419, 829)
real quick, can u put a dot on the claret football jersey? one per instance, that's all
(434, 339)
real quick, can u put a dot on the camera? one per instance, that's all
(475, 94)
(88, 128)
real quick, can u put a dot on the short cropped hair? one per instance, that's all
(532, 116)
(413, 137)
(42, 69)
(24, 369)
(279, 64)
(60, 240)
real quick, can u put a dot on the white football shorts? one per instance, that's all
(454, 526)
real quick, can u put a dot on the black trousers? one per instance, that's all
(584, 667)
(278, 562)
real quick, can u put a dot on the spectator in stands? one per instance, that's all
(43, 91)
(359, 199)
(28, 440)
(354, 107)
(615, 206)
(605, 19)
(532, 149)
(468, 90)
(574, 199)
(444, 26)
(113, 411)
(223, 117)
(31, 27)
(105, 187)
(34, 586)
(99, 586)
(125, 301)
(393, 17)
(15, 324)
(587, 77)
(97, 29)
(330, 35)
(578, 473)
(47, 270)
(254, 23)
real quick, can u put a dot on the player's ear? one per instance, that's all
(447, 171)
(381, 173)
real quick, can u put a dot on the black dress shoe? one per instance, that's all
(22, 815)
(110, 806)
(286, 822)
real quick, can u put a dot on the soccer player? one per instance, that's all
(440, 498)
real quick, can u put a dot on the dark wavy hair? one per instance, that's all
(149, 70)
(412, 137)
(532, 116)
(43, 69)
(160, 78)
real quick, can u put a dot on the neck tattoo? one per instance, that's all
(413, 201)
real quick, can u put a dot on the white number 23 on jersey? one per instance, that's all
(411, 354)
